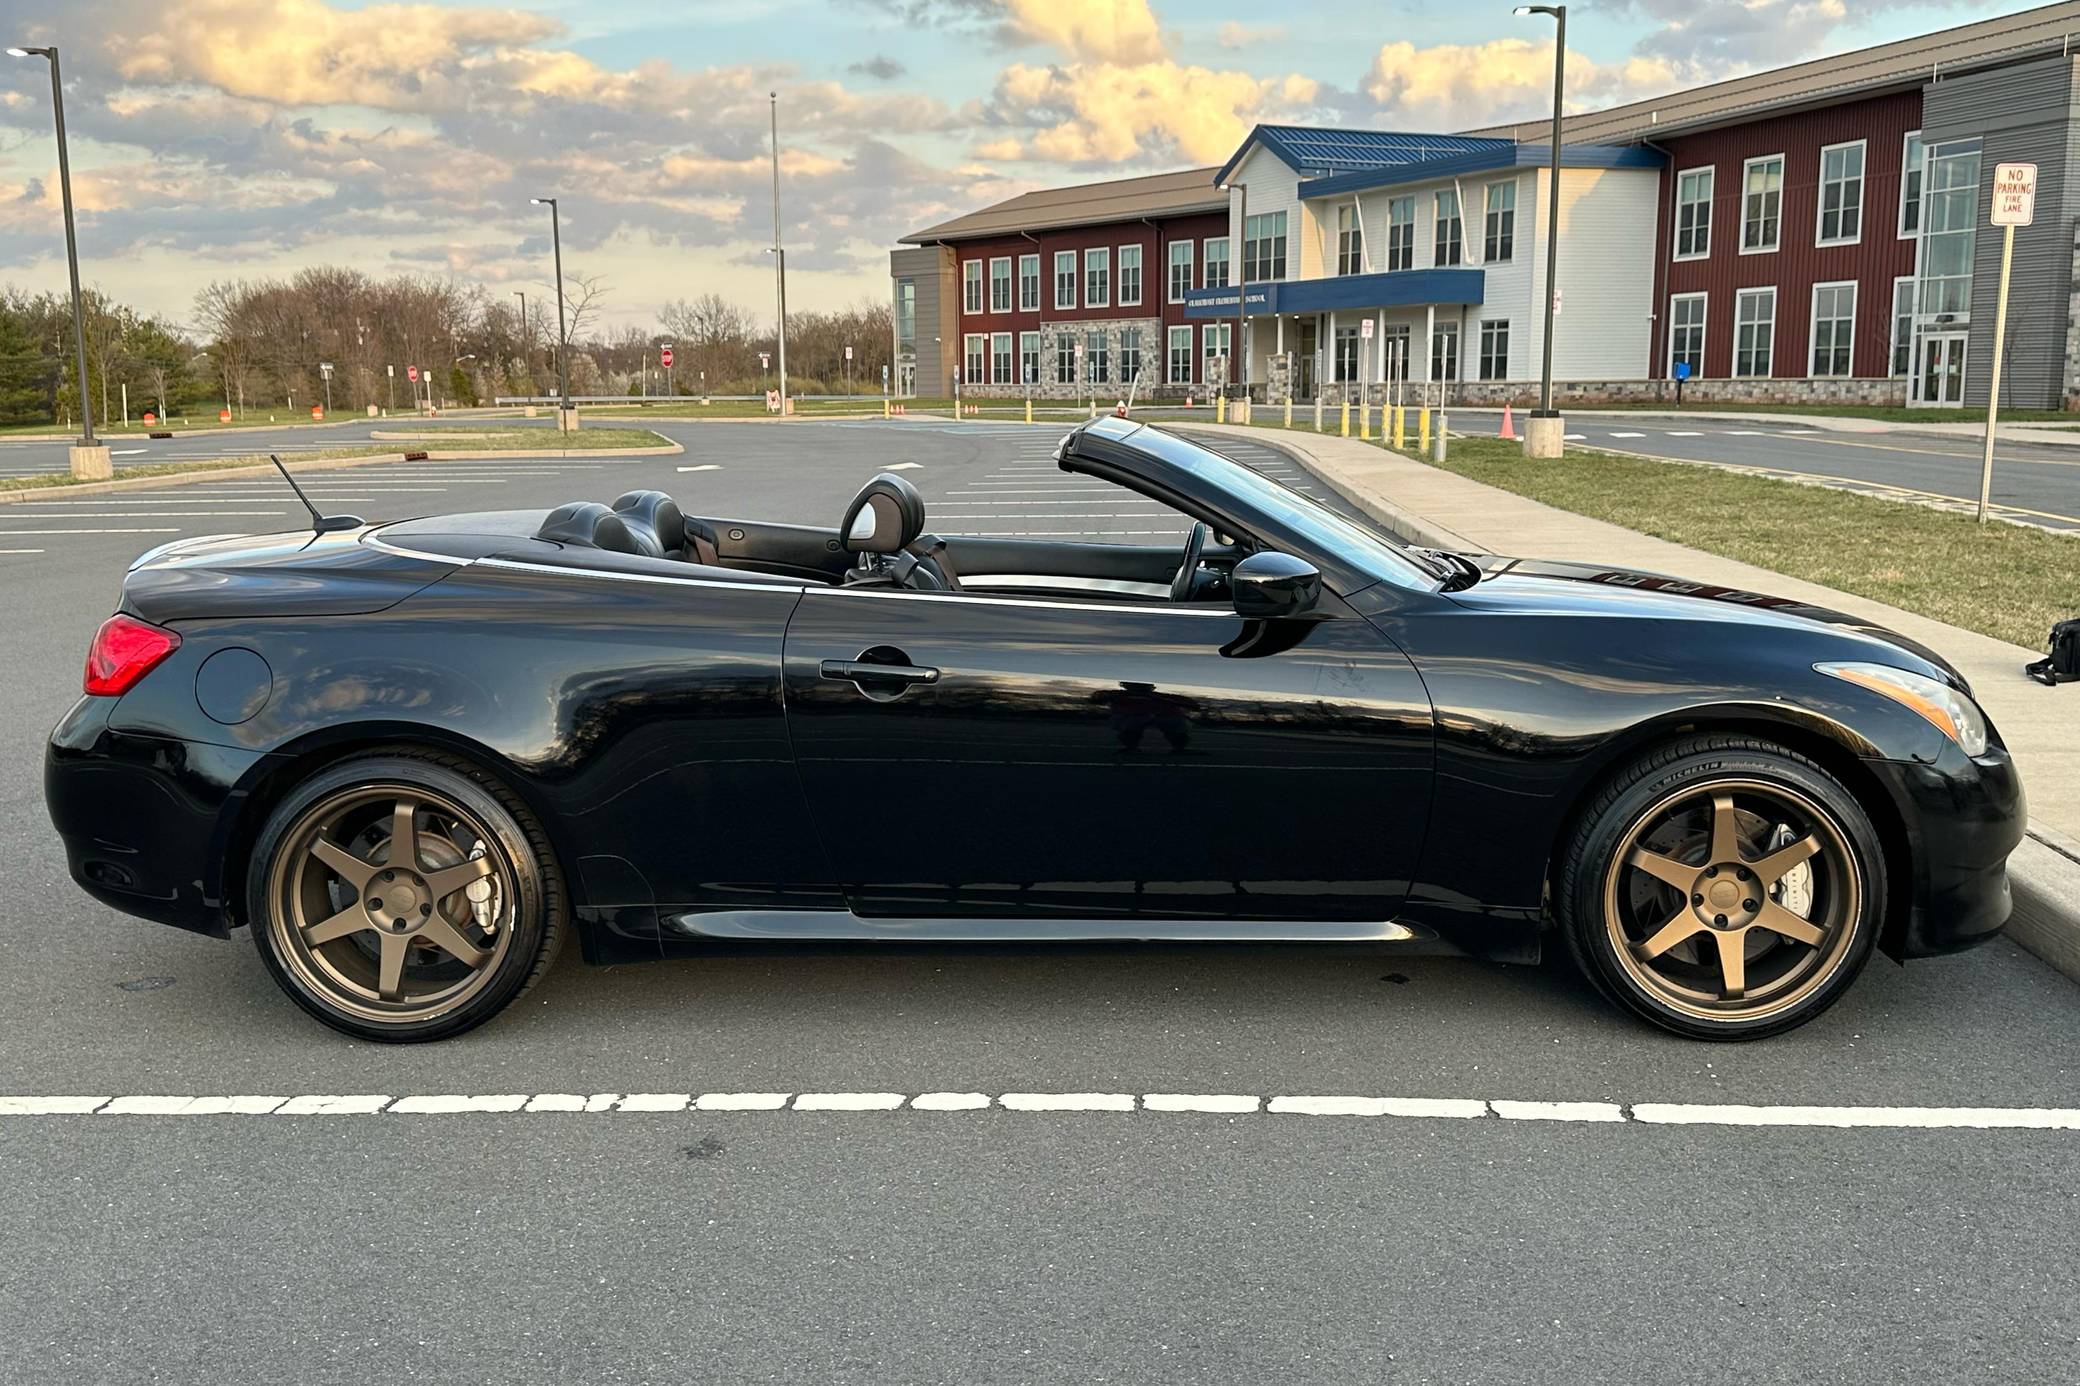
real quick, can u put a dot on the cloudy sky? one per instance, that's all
(237, 138)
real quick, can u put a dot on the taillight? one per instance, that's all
(125, 649)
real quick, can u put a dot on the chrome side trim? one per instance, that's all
(1022, 580)
(402, 552)
(844, 924)
(1071, 603)
(609, 576)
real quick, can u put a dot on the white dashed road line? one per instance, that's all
(1230, 1104)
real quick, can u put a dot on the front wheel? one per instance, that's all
(1723, 888)
(403, 898)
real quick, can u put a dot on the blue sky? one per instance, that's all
(248, 138)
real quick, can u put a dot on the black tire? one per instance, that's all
(530, 904)
(1653, 812)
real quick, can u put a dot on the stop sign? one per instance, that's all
(411, 372)
(664, 356)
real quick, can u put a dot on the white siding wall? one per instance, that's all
(1272, 188)
(1606, 292)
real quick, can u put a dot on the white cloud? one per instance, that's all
(1233, 35)
(1456, 86)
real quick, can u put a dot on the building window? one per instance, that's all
(1834, 329)
(1350, 241)
(1065, 279)
(1000, 359)
(1444, 352)
(1129, 276)
(971, 286)
(1393, 351)
(1450, 232)
(1000, 285)
(1346, 368)
(1264, 247)
(1694, 214)
(1180, 270)
(1754, 332)
(1841, 194)
(1096, 357)
(1180, 356)
(1029, 283)
(1097, 277)
(1065, 354)
(1216, 257)
(1501, 240)
(906, 317)
(1214, 340)
(1903, 325)
(1029, 345)
(1129, 353)
(1950, 210)
(978, 358)
(1686, 314)
(1910, 189)
(1494, 350)
(1762, 203)
(1401, 233)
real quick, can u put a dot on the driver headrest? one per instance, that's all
(884, 517)
(588, 524)
(656, 517)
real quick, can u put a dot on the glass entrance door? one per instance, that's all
(1939, 375)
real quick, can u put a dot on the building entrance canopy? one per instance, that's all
(1395, 289)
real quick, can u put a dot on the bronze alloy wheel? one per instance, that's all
(1733, 899)
(392, 903)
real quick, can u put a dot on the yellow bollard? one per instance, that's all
(1289, 411)
(1029, 408)
(1400, 427)
(1365, 419)
(1346, 418)
(1423, 429)
(1318, 413)
(884, 409)
(1220, 407)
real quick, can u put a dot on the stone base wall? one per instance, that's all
(1587, 393)
(2069, 396)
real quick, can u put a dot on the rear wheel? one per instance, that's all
(404, 897)
(1723, 888)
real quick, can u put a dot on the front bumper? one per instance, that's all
(1963, 816)
(145, 819)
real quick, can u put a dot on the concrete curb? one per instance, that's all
(2043, 872)
(152, 483)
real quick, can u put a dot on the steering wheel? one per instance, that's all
(1187, 579)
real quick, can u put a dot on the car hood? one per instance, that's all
(1590, 588)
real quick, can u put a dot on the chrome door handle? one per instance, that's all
(863, 671)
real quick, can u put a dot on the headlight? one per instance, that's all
(1956, 715)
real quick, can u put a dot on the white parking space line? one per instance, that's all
(25, 532)
(1628, 435)
(1281, 1106)
(21, 550)
(1684, 433)
(703, 467)
(892, 467)
(50, 514)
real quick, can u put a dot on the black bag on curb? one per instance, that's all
(2062, 665)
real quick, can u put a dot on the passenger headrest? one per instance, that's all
(656, 517)
(589, 525)
(884, 517)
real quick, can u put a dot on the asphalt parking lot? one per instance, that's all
(1076, 1240)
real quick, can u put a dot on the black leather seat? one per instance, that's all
(590, 525)
(884, 525)
(678, 535)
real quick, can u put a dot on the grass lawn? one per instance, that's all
(2002, 580)
(537, 441)
(1888, 413)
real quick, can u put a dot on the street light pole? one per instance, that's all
(525, 345)
(96, 463)
(1543, 437)
(779, 255)
(564, 420)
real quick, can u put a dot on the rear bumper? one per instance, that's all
(1963, 817)
(145, 819)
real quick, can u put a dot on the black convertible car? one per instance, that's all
(412, 757)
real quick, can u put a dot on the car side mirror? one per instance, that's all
(1274, 586)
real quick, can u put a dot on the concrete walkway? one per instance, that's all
(2040, 725)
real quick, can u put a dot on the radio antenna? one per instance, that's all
(320, 523)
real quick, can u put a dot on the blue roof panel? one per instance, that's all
(1316, 153)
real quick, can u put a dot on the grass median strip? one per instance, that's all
(519, 441)
(2008, 581)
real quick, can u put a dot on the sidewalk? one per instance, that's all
(2058, 435)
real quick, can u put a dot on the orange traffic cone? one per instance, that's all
(1509, 432)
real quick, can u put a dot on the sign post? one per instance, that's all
(2014, 204)
(664, 358)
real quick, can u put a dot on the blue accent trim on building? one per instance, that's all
(1398, 289)
(1317, 153)
(1486, 161)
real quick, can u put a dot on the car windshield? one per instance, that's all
(1365, 548)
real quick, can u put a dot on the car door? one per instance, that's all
(986, 756)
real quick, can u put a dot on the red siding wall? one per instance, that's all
(1154, 241)
(1883, 122)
